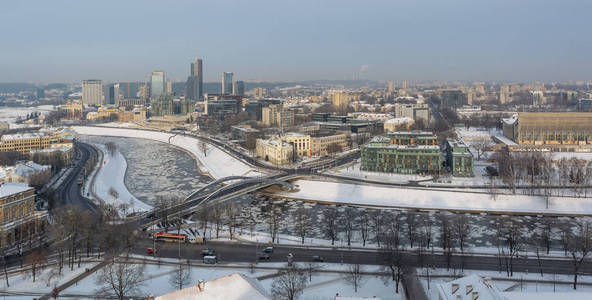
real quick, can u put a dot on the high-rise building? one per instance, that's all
(391, 87)
(40, 93)
(115, 94)
(238, 88)
(92, 92)
(157, 84)
(227, 82)
(194, 89)
(129, 89)
(168, 87)
(504, 94)
(144, 92)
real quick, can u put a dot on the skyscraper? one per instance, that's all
(227, 82)
(238, 88)
(194, 89)
(157, 84)
(92, 92)
(168, 87)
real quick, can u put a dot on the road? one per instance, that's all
(68, 193)
(231, 252)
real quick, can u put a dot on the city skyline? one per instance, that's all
(299, 40)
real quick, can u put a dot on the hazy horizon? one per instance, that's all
(67, 41)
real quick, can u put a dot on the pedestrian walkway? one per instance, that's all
(413, 288)
(79, 278)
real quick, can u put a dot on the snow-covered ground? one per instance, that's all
(110, 177)
(520, 286)
(393, 197)
(216, 162)
(46, 278)
(323, 286)
(10, 114)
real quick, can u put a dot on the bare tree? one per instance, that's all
(364, 225)
(289, 285)
(121, 277)
(446, 237)
(410, 225)
(218, 217)
(376, 218)
(232, 218)
(274, 217)
(580, 246)
(203, 147)
(462, 231)
(180, 277)
(302, 222)
(348, 223)
(35, 259)
(330, 223)
(392, 257)
(480, 144)
(311, 269)
(512, 234)
(354, 276)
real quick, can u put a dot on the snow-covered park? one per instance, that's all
(319, 286)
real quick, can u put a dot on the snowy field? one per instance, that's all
(322, 286)
(216, 162)
(10, 114)
(155, 169)
(110, 177)
(393, 197)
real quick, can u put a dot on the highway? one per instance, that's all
(235, 252)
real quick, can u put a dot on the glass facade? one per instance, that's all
(157, 84)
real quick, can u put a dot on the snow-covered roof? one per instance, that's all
(466, 286)
(399, 120)
(11, 188)
(17, 136)
(511, 120)
(29, 168)
(230, 287)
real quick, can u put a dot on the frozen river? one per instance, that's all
(155, 168)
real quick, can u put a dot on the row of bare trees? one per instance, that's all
(540, 173)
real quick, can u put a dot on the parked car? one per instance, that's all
(318, 258)
(210, 259)
(151, 251)
(263, 256)
(208, 252)
(268, 250)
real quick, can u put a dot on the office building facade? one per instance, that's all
(92, 92)
(227, 82)
(402, 152)
(238, 88)
(157, 84)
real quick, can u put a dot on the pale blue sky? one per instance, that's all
(276, 40)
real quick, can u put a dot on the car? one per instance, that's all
(151, 251)
(208, 252)
(263, 256)
(318, 258)
(268, 250)
(210, 259)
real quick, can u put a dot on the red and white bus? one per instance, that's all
(169, 237)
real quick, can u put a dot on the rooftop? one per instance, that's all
(11, 188)
(464, 288)
(231, 287)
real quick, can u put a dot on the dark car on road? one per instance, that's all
(208, 252)
(268, 250)
(263, 256)
(318, 258)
